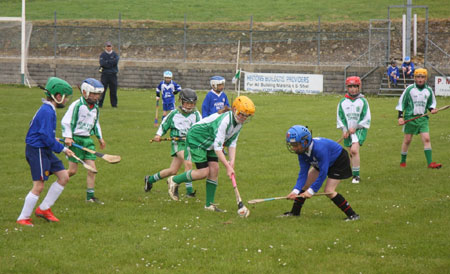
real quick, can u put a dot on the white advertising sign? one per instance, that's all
(442, 86)
(271, 82)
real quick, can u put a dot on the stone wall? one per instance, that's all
(145, 74)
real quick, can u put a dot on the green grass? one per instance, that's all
(405, 212)
(222, 11)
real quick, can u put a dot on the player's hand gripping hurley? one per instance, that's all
(255, 201)
(426, 114)
(242, 210)
(112, 159)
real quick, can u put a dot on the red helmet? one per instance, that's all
(353, 80)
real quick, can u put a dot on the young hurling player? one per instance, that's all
(167, 89)
(40, 145)
(179, 121)
(353, 118)
(215, 100)
(78, 124)
(205, 141)
(415, 101)
(327, 158)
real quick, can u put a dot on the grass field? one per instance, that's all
(221, 11)
(404, 212)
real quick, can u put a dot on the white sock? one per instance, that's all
(52, 195)
(28, 206)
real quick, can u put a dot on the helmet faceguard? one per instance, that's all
(188, 99)
(353, 81)
(91, 85)
(55, 86)
(243, 109)
(420, 77)
(215, 81)
(298, 136)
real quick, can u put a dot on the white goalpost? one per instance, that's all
(23, 40)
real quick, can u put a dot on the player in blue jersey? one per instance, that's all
(408, 67)
(327, 158)
(167, 90)
(393, 73)
(40, 145)
(216, 100)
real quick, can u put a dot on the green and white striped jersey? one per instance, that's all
(215, 131)
(81, 119)
(353, 113)
(178, 123)
(415, 101)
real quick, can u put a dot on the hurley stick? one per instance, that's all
(169, 139)
(255, 201)
(112, 159)
(426, 114)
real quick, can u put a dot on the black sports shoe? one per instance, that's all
(191, 195)
(148, 185)
(288, 214)
(354, 217)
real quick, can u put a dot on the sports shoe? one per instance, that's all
(148, 185)
(191, 195)
(95, 200)
(434, 165)
(46, 214)
(354, 217)
(356, 180)
(173, 189)
(25, 222)
(403, 164)
(213, 207)
(288, 214)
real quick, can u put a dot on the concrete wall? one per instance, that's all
(145, 74)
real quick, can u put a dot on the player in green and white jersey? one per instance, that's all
(179, 121)
(78, 124)
(205, 142)
(353, 117)
(415, 101)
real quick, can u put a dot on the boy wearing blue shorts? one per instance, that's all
(167, 90)
(40, 145)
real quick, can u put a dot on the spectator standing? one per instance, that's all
(108, 67)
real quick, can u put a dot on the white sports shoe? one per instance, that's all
(213, 207)
(173, 189)
(356, 180)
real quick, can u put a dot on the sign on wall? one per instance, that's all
(272, 82)
(442, 86)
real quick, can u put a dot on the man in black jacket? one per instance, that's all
(108, 67)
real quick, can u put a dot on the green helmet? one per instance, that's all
(56, 85)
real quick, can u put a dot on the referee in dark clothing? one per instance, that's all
(108, 67)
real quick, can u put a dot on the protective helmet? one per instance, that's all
(353, 80)
(407, 59)
(188, 95)
(216, 80)
(421, 71)
(298, 134)
(56, 85)
(243, 105)
(167, 74)
(91, 85)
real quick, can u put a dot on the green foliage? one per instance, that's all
(404, 212)
(221, 11)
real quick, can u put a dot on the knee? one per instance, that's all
(71, 172)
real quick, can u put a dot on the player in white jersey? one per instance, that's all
(78, 124)
(178, 121)
(414, 102)
(353, 118)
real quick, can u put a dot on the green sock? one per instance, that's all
(89, 193)
(355, 171)
(428, 155)
(183, 177)
(155, 177)
(210, 191)
(404, 154)
(189, 189)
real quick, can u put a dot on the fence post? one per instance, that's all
(251, 37)
(120, 28)
(184, 39)
(318, 43)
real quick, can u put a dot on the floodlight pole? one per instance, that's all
(22, 53)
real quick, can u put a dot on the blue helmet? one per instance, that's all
(298, 134)
(167, 74)
(215, 81)
(407, 59)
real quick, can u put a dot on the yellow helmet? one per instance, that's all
(244, 105)
(421, 71)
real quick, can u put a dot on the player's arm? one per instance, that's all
(301, 179)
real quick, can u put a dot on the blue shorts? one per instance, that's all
(42, 162)
(170, 106)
